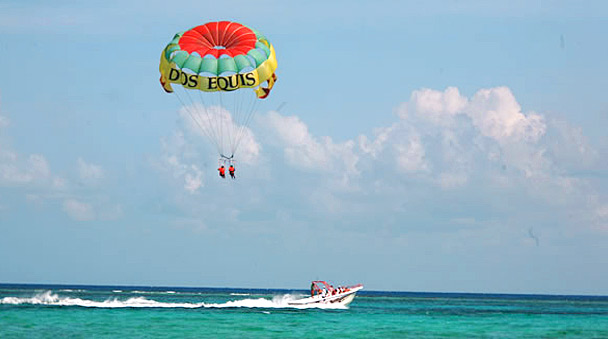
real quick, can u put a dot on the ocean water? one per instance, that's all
(58, 311)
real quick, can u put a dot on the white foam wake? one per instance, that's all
(51, 299)
(48, 298)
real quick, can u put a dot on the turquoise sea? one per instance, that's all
(62, 311)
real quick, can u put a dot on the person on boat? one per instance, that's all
(222, 171)
(231, 171)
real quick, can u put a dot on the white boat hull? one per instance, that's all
(344, 298)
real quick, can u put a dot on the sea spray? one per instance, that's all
(51, 299)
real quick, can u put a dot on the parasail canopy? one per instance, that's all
(213, 59)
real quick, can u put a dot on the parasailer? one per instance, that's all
(215, 66)
(222, 171)
(231, 171)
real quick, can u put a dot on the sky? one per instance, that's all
(444, 146)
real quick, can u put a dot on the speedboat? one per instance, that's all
(323, 293)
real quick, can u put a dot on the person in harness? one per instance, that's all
(222, 171)
(231, 171)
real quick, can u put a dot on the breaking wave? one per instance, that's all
(51, 299)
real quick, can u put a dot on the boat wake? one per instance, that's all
(51, 299)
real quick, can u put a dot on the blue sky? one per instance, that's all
(420, 146)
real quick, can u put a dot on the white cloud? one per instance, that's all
(490, 125)
(435, 106)
(217, 126)
(180, 160)
(33, 174)
(442, 141)
(78, 210)
(493, 111)
(446, 139)
(497, 115)
(38, 166)
(303, 150)
(193, 180)
(441, 134)
(13, 170)
(376, 146)
(89, 172)
(568, 146)
(410, 156)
